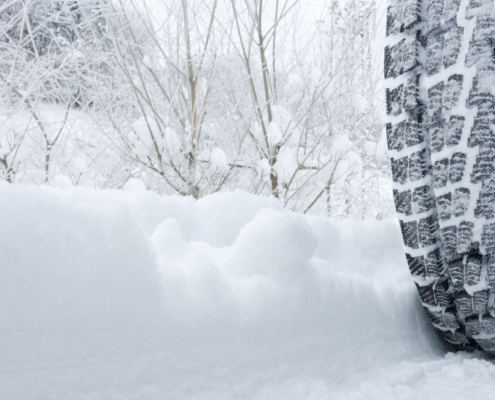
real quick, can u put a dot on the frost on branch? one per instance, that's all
(107, 93)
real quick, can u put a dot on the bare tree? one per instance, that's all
(195, 97)
(167, 61)
(305, 95)
(43, 77)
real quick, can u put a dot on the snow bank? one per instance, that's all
(71, 272)
(227, 297)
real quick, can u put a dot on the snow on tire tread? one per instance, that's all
(440, 86)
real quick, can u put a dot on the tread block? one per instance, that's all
(434, 264)
(394, 19)
(442, 295)
(440, 173)
(472, 269)
(485, 205)
(437, 135)
(452, 45)
(488, 324)
(414, 130)
(450, 9)
(410, 55)
(480, 48)
(464, 236)
(436, 317)
(394, 100)
(422, 200)
(480, 301)
(399, 170)
(485, 109)
(490, 266)
(403, 202)
(460, 201)
(453, 130)
(410, 234)
(412, 13)
(427, 229)
(450, 319)
(435, 294)
(474, 4)
(473, 325)
(446, 319)
(481, 133)
(435, 13)
(411, 94)
(488, 238)
(464, 303)
(393, 60)
(418, 166)
(435, 100)
(484, 167)
(427, 295)
(396, 136)
(452, 92)
(479, 98)
(387, 60)
(403, 15)
(434, 50)
(449, 235)
(457, 337)
(416, 266)
(444, 206)
(457, 166)
(456, 269)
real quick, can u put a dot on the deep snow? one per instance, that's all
(128, 295)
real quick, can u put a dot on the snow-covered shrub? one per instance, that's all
(189, 109)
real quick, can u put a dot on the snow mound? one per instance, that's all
(227, 297)
(71, 269)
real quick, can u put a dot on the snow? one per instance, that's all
(219, 162)
(341, 146)
(147, 62)
(172, 140)
(61, 181)
(274, 134)
(361, 103)
(263, 169)
(147, 137)
(134, 185)
(146, 131)
(286, 165)
(80, 165)
(128, 295)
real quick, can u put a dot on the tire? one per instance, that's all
(440, 86)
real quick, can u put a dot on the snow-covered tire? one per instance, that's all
(440, 86)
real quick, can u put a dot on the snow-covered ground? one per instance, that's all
(127, 295)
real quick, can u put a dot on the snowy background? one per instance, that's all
(129, 295)
(190, 212)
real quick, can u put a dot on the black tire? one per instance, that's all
(440, 86)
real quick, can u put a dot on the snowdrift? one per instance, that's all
(125, 294)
